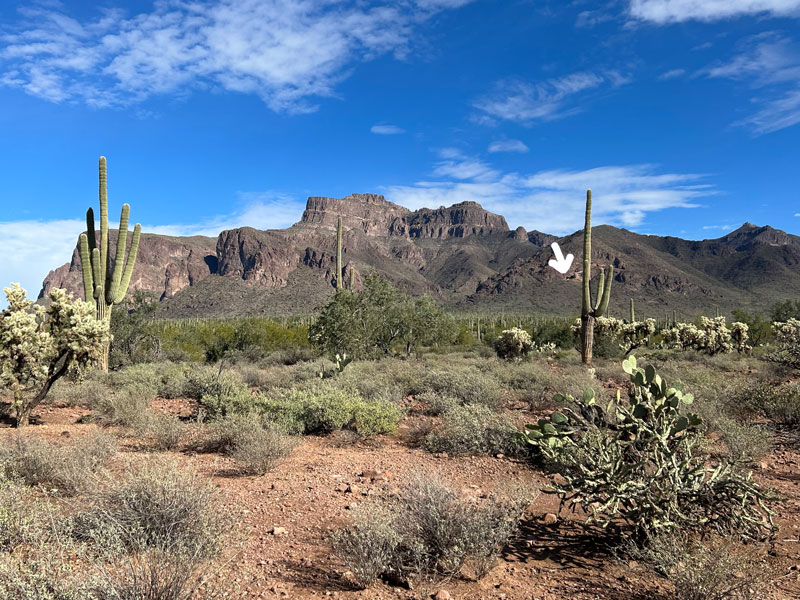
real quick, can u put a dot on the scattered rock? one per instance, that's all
(550, 519)
(442, 595)
(278, 531)
(352, 489)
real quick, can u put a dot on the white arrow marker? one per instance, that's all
(559, 263)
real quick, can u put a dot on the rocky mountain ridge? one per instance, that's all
(464, 255)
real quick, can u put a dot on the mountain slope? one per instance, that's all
(463, 255)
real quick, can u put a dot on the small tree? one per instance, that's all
(369, 323)
(39, 345)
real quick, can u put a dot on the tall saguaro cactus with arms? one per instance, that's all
(589, 311)
(103, 285)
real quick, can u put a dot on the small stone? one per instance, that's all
(442, 595)
(352, 489)
(351, 506)
(278, 531)
(550, 519)
(499, 455)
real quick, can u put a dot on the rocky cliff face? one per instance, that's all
(165, 265)
(463, 255)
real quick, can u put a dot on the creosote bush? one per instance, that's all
(430, 531)
(257, 449)
(474, 429)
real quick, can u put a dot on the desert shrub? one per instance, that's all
(368, 547)
(157, 506)
(125, 407)
(468, 385)
(66, 470)
(165, 431)
(557, 332)
(782, 405)
(436, 404)
(709, 569)
(640, 463)
(429, 531)
(42, 576)
(321, 410)
(744, 441)
(513, 344)
(474, 429)
(19, 515)
(85, 392)
(243, 437)
(220, 392)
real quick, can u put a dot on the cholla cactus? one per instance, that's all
(711, 337)
(787, 334)
(513, 344)
(40, 345)
(629, 336)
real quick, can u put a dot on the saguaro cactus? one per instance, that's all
(352, 277)
(103, 285)
(339, 280)
(590, 312)
(633, 313)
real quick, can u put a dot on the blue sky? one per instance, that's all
(683, 116)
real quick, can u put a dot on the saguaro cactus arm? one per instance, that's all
(126, 279)
(604, 292)
(86, 267)
(339, 281)
(119, 257)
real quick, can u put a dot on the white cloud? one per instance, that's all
(553, 201)
(288, 52)
(672, 74)
(508, 146)
(664, 12)
(387, 129)
(770, 64)
(720, 227)
(526, 103)
(33, 248)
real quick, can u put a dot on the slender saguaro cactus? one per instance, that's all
(590, 312)
(103, 285)
(339, 281)
(352, 277)
(633, 313)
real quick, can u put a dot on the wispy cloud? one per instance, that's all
(33, 248)
(508, 146)
(672, 74)
(664, 12)
(720, 227)
(288, 52)
(387, 129)
(552, 201)
(527, 103)
(769, 63)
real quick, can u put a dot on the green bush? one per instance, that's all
(322, 410)
(474, 429)
(124, 407)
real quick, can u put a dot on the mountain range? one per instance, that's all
(463, 255)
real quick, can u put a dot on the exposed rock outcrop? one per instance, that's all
(164, 265)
